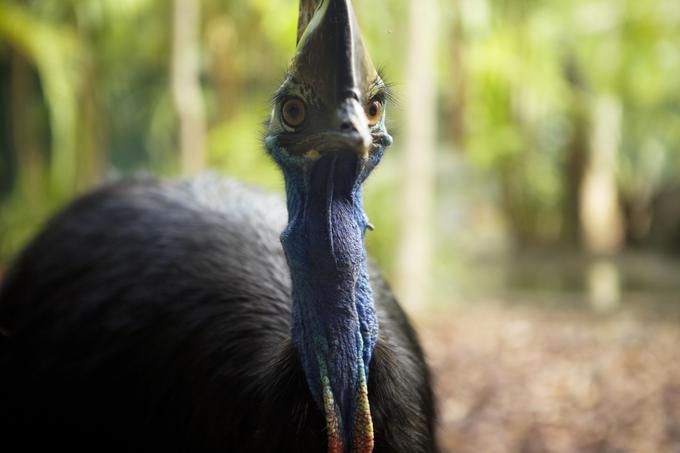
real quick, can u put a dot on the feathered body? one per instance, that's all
(157, 317)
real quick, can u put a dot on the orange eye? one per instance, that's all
(293, 112)
(374, 112)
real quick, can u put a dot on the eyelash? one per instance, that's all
(380, 97)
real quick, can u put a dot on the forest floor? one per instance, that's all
(526, 379)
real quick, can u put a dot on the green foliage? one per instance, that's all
(236, 147)
(529, 72)
(534, 70)
(58, 56)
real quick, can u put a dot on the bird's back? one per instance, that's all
(153, 316)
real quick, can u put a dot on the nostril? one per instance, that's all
(347, 126)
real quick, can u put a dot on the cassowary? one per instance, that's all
(204, 315)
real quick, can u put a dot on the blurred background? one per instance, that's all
(528, 214)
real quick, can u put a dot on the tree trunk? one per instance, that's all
(600, 211)
(574, 165)
(414, 259)
(601, 217)
(92, 155)
(458, 85)
(30, 162)
(186, 85)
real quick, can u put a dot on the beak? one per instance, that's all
(352, 126)
(332, 59)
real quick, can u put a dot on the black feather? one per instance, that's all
(154, 316)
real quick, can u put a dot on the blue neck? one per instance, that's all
(335, 326)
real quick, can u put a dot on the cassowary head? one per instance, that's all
(327, 133)
(332, 100)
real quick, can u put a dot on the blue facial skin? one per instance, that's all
(334, 319)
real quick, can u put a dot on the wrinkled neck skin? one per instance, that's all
(335, 326)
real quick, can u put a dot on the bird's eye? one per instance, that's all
(294, 113)
(374, 112)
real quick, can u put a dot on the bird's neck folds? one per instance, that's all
(334, 322)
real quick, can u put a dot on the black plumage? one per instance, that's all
(152, 316)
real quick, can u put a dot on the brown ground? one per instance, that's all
(530, 380)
